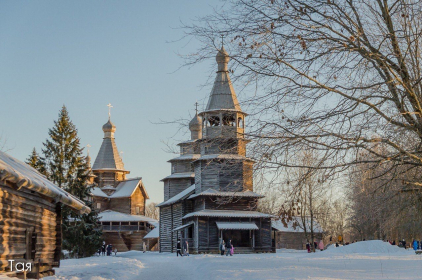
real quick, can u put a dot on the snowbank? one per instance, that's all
(98, 268)
(366, 247)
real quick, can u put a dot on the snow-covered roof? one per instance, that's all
(224, 156)
(228, 213)
(186, 157)
(23, 175)
(187, 142)
(180, 175)
(96, 191)
(296, 225)
(183, 226)
(155, 233)
(128, 187)
(124, 189)
(239, 226)
(114, 216)
(212, 192)
(178, 196)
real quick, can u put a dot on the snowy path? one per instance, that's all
(336, 263)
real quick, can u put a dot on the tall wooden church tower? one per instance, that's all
(221, 204)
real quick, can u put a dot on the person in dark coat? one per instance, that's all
(109, 249)
(308, 247)
(228, 247)
(103, 248)
(179, 249)
(394, 242)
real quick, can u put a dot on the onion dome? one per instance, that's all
(195, 127)
(222, 56)
(195, 123)
(109, 127)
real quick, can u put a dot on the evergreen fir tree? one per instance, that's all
(37, 162)
(68, 169)
(81, 233)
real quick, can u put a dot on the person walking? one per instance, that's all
(186, 248)
(404, 243)
(228, 247)
(232, 250)
(179, 249)
(321, 245)
(308, 247)
(115, 251)
(144, 247)
(222, 247)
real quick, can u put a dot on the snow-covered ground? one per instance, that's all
(362, 260)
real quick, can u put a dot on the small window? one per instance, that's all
(137, 210)
(240, 122)
(98, 205)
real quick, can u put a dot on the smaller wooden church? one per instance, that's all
(120, 201)
(30, 224)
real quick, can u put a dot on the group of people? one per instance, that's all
(182, 249)
(317, 245)
(226, 248)
(107, 248)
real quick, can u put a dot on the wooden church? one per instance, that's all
(209, 195)
(120, 201)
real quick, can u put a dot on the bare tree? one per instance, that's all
(340, 77)
(152, 211)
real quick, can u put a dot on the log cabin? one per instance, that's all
(290, 233)
(30, 223)
(120, 201)
(209, 196)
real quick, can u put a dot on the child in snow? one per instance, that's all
(308, 247)
(144, 247)
(115, 251)
(232, 250)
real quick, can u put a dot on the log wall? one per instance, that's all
(137, 200)
(293, 240)
(29, 229)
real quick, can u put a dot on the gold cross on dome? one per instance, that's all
(109, 109)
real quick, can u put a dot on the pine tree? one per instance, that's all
(37, 162)
(68, 169)
(81, 233)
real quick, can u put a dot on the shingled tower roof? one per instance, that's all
(108, 157)
(222, 94)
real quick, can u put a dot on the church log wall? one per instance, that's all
(137, 200)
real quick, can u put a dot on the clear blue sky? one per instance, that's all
(85, 54)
